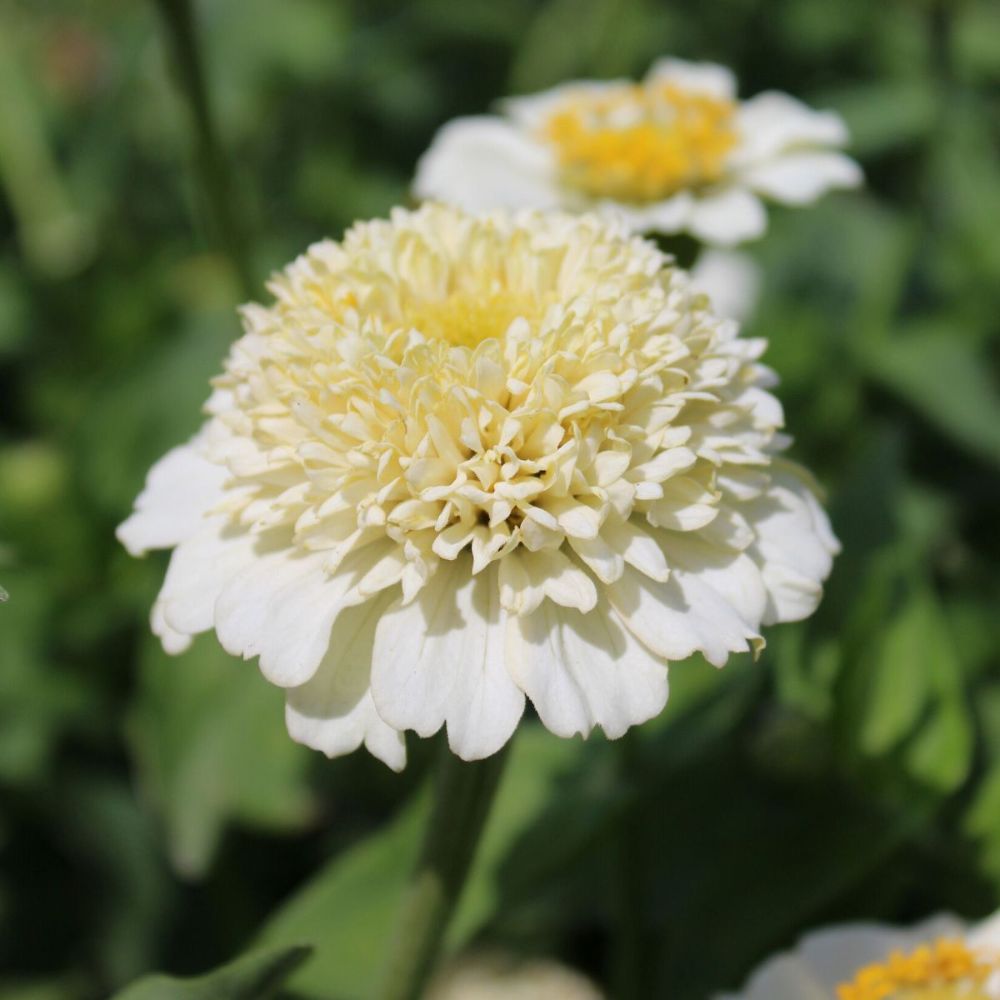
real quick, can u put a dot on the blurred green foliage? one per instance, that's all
(154, 814)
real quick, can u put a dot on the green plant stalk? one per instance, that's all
(463, 794)
(628, 969)
(215, 176)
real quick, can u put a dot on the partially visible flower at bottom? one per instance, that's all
(939, 959)
(730, 279)
(500, 976)
(464, 460)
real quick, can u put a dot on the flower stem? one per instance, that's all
(214, 174)
(628, 960)
(463, 794)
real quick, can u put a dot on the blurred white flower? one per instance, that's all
(730, 279)
(498, 976)
(465, 459)
(939, 959)
(677, 152)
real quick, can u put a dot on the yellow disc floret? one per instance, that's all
(641, 142)
(945, 970)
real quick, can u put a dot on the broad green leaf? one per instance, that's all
(256, 976)
(209, 737)
(347, 911)
(915, 696)
(939, 373)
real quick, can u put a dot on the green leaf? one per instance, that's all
(255, 976)
(942, 376)
(348, 909)
(209, 736)
(915, 696)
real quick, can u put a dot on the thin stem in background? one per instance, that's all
(463, 795)
(216, 178)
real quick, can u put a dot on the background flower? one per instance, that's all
(938, 958)
(677, 152)
(466, 459)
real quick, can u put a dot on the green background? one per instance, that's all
(153, 813)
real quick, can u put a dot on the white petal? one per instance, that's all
(333, 712)
(440, 659)
(794, 546)
(173, 642)
(683, 616)
(669, 216)
(284, 605)
(729, 573)
(582, 670)
(772, 123)
(700, 77)
(835, 955)
(603, 560)
(727, 217)
(637, 547)
(485, 163)
(530, 112)
(798, 178)
(199, 568)
(179, 489)
(730, 279)
(485, 705)
(785, 977)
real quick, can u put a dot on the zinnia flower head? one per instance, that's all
(940, 959)
(461, 460)
(676, 152)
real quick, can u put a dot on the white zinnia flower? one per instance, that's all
(939, 959)
(676, 152)
(461, 460)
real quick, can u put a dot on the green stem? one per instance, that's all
(214, 174)
(463, 794)
(628, 970)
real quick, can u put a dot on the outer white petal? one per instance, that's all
(772, 123)
(179, 489)
(486, 705)
(727, 217)
(199, 568)
(824, 959)
(798, 178)
(482, 163)
(730, 279)
(701, 77)
(682, 616)
(531, 111)
(986, 935)
(283, 606)
(334, 712)
(836, 954)
(794, 547)
(582, 670)
(785, 977)
(173, 642)
(440, 659)
(669, 216)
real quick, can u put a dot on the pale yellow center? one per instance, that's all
(466, 319)
(642, 142)
(945, 970)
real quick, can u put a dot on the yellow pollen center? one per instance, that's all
(642, 142)
(945, 970)
(466, 319)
